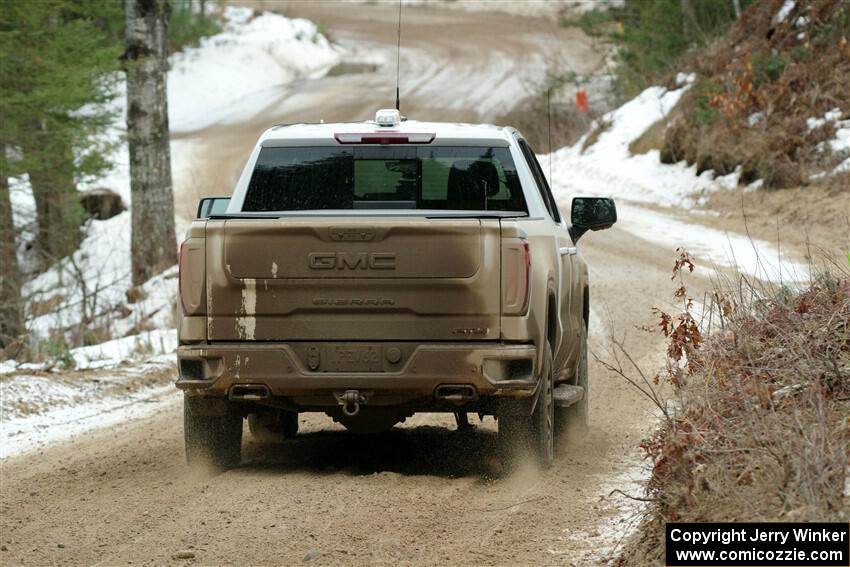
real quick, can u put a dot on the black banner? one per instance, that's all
(758, 544)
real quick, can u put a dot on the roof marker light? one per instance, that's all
(388, 117)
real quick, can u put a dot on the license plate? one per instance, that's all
(346, 358)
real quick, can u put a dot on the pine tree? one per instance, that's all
(51, 175)
(55, 58)
(154, 246)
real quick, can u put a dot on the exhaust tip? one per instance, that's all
(456, 393)
(249, 392)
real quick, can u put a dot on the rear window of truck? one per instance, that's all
(384, 177)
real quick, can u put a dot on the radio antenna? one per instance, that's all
(398, 59)
(549, 128)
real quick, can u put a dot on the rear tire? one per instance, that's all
(212, 440)
(537, 431)
(273, 426)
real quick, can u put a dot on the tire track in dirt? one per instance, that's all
(421, 494)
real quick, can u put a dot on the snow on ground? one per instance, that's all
(233, 75)
(229, 77)
(606, 167)
(712, 247)
(36, 410)
(528, 8)
(108, 354)
(23, 202)
(41, 404)
(830, 116)
(92, 285)
(840, 143)
(783, 12)
(250, 61)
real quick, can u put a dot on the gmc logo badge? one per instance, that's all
(356, 261)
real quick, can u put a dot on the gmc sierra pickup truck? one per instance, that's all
(372, 270)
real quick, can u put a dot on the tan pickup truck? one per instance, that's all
(373, 270)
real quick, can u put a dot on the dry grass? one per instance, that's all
(755, 89)
(600, 128)
(651, 139)
(757, 428)
(810, 220)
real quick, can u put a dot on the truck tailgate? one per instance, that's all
(353, 279)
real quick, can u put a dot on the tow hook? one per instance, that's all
(350, 401)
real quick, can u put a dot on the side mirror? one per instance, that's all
(591, 213)
(209, 206)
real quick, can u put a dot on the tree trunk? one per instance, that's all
(11, 312)
(58, 211)
(154, 246)
(736, 5)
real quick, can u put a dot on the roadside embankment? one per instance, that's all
(758, 426)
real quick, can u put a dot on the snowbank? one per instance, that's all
(108, 354)
(719, 248)
(235, 74)
(606, 167)
(117, 351)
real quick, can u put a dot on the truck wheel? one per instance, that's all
(535, 432)
(273, 426)
(212, 440)
(575, 418)
(543, 418)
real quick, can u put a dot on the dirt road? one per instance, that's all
(454, 66)
(422, 494)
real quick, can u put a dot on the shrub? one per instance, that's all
(767, 68)
(59, 351)
(760, 430)
(652, 36)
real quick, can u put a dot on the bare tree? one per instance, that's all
(154, 246)
(11, 315)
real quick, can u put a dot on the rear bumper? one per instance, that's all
(492, 369)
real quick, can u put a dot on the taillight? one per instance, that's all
(516, 273)
(384, 138)
(180, 275)
(191, 273)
